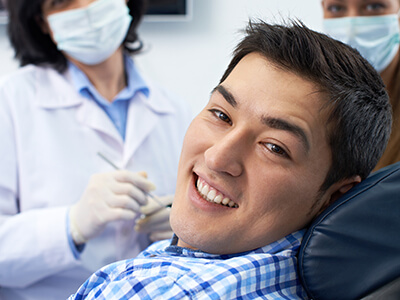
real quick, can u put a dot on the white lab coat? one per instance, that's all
(49, 139)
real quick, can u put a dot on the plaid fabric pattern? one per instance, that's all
(165, 271)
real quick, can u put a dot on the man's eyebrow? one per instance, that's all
(226, 94)
(271, 122)
(281, 124)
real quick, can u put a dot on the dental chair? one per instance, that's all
(352, 250)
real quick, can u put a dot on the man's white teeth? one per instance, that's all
(211, 195)
(205, 189)
(218, 199)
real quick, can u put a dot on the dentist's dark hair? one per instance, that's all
(32, 46)
(356, 102)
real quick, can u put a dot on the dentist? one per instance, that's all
(372, 27)
(65, 211)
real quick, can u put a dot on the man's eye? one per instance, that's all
(220, 115)
(276, 149)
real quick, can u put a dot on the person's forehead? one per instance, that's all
(255, 73)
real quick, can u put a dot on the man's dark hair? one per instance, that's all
(357, 104)
(32, 46)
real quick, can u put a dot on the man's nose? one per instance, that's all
(227, 154)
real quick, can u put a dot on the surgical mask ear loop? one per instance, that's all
(134, 46)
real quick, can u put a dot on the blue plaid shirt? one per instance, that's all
(165, 271)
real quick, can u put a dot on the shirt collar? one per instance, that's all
(291, 241)
(49, 96)
(135, 83)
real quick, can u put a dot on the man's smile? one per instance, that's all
(212, 195)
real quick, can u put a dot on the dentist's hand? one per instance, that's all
(155, 219)
(111, 196)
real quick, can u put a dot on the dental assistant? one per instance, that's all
(64, 210)
(372, 27)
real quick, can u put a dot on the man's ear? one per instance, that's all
(338, 189)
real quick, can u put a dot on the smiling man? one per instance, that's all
(262, 143)
(296, 121)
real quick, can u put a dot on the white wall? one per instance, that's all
(189, 57)
(7, 63)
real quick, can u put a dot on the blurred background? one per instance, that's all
(188, 51)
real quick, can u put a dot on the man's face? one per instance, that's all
(259, 146)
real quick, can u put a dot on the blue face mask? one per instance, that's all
(377, 38)
(93, 33)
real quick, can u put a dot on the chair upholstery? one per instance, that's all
(353, 248)
(390, 291)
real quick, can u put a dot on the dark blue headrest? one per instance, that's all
(353, 247)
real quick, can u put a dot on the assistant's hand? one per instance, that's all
(155, 219)
(111, 196)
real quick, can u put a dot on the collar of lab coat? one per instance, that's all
(143, 110)
(68, 96)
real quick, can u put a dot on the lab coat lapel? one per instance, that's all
(88, 113)
(91, 115)
(141, 121)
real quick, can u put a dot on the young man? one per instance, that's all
(296, 121)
